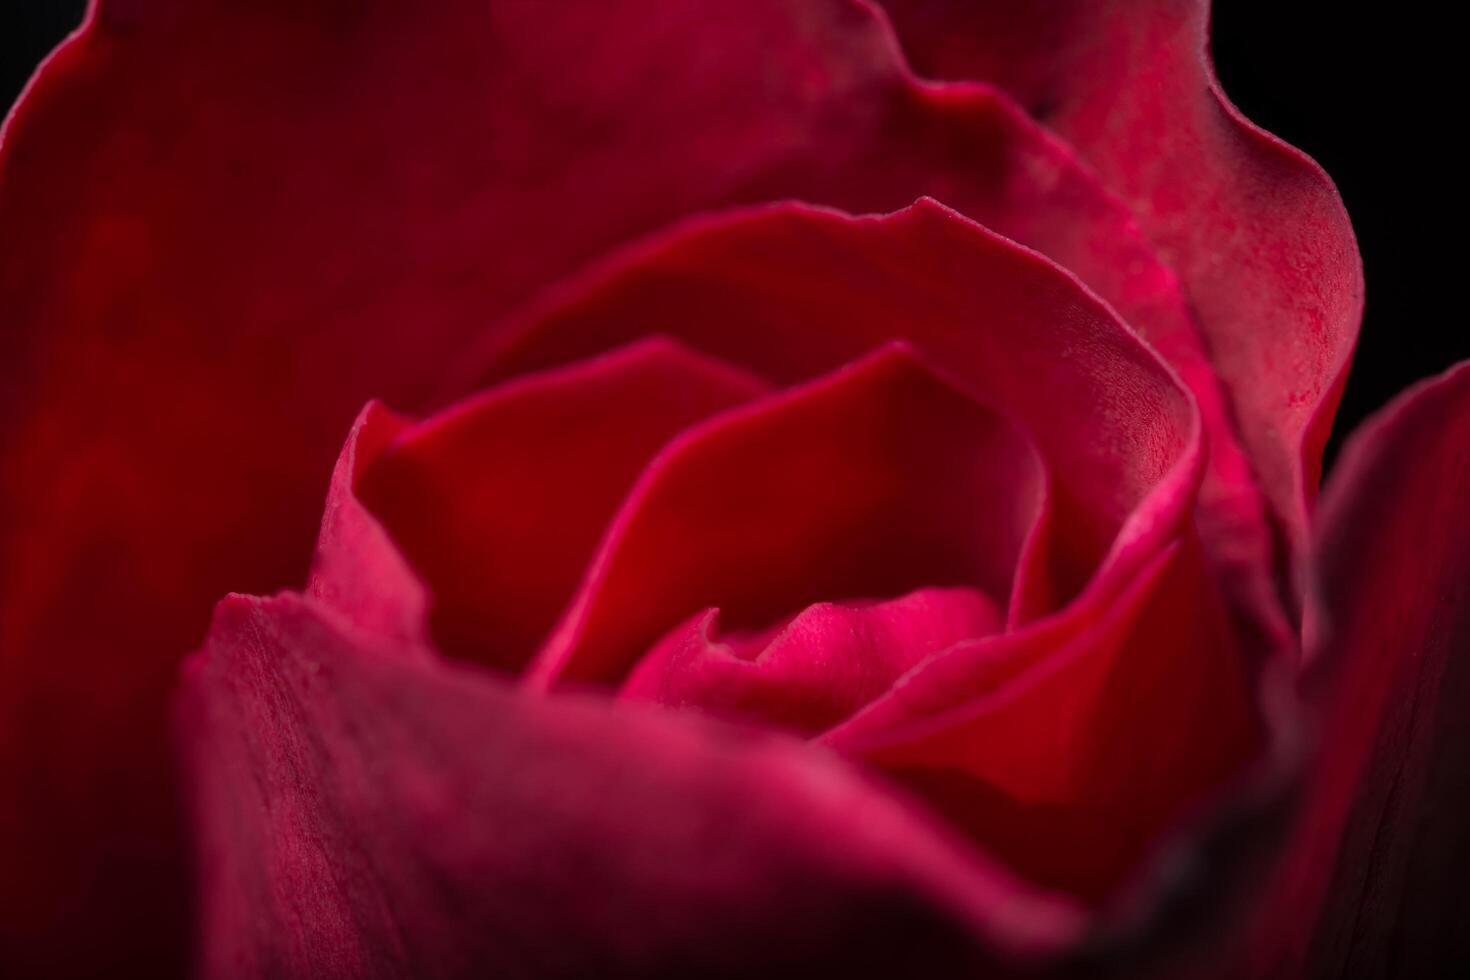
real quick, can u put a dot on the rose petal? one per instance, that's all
(1074, 748)
(1373, 877)
(499, 501)
(1255, 229)
(871, 482)
(367, 814)
(358, 569)
(234, 223)
(817, 668)
(793, 291)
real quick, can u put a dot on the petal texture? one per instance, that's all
(1373, 879)
(1254, 228)
(865, 484)
(236, 222)
(499, 501)
(815, 669)
(790, 292)
(358, 568)
(369, 814)
(1073, 750)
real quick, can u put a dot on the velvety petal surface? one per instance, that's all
(499, 501)
(793, 291)
(1373, 879)
(366, 814)
(814, 669)
(865, 484)
(1254, 228)
(359, 568)
(1077, 748)
(230, 224)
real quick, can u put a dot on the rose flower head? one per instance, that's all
(821, 488)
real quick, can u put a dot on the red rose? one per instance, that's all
(816, 518)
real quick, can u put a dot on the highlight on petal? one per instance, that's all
(358, 569)
(1254, 228)
(1372, 878)
(499, 501)
(814, 669)
(369, 814)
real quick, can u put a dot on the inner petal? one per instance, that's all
(872, 482)
(795, 292)
(814, 669)
(498, 502)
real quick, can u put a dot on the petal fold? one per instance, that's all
(1254, 228)
(815, 669)
(358, 568)
(369, 814)
(793, 291)
(499, 501)
(865, 484)
(1077, 748)
(229, 225)
(1371, 882)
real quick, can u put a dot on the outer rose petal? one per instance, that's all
(237, 221)
(370, 815)
(794, 291)
(1255, 228)
(1373, 882)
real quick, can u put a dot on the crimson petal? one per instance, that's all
(230, 224)
(1373, 881)
(793, 291)
(363, 813)
(870, 482)
(1075, 749)
(499, 501)
(359, 569)
(1255, 229)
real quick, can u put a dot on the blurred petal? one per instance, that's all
(1374, 878)
(367, 814)
(1254, 228)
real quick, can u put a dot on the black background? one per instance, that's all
(1343, 81)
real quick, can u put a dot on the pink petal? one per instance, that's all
(815, 669)
(499, 501)
(367, 814)
(868, 483)
(1372, 880)
(358, 569)
(1255, 229)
